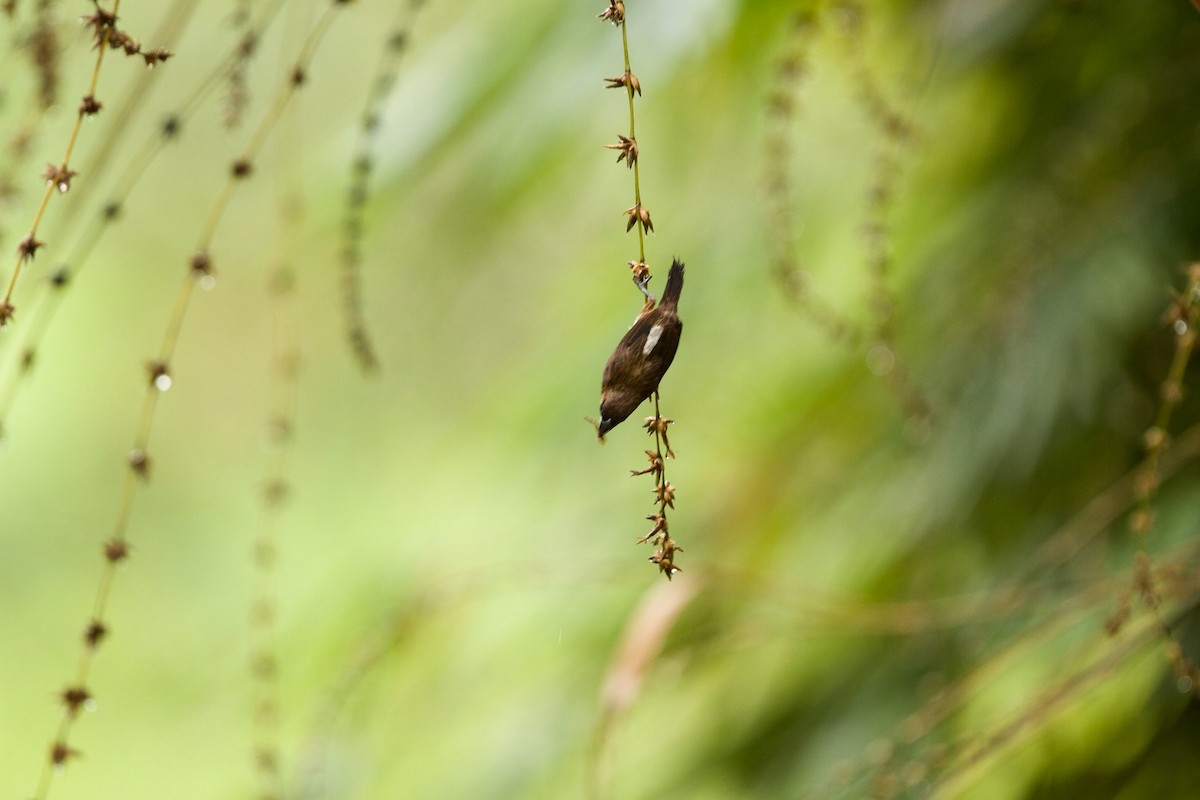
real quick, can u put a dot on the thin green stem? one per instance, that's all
(1146, 486)
(662, 470)
(22, 256)
(51, 292)
(1172, 390)
(61, 752)
(637, 185)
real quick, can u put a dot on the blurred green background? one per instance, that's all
(875, 603)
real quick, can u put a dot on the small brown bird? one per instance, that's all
(642, 356)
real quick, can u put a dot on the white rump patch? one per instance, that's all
(652, 339)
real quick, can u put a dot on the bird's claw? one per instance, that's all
(642, 282)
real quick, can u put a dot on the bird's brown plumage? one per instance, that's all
(643, 356)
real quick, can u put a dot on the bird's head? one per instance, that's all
(616, 404)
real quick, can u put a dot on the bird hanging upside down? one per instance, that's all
(643, 355)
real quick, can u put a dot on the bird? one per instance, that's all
(643, 355)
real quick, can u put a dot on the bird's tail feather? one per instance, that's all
(674, 287)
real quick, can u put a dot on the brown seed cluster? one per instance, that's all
(354, 225)
(44, 55)
(94, 634)
(628, 151)
(59, 176)
(200, 265)
(664, 495)
(28, 246)
(615, 13)
(237, 93)
(639, 215)
(89, 106)
(627, 80)
(106, 34)
(139, 462)
(74, 698)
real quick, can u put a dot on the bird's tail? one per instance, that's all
(671, 291)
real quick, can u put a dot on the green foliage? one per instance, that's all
(876, 602)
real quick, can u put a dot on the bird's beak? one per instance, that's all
(606, 425)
